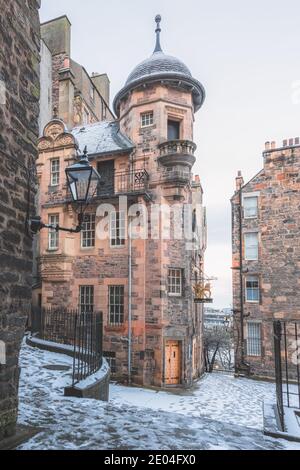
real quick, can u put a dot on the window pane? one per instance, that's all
(250, 206)
(86, 299)
(252, 289)
(147, 119)
(253, 339)
(116, 305)
(175, 281)
(88, 231)
(117, 228)
(251, 246)
(53, 237)
(54, 172)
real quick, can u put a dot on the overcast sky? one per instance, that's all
(246, 54)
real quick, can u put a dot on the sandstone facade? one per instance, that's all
(140, 160)
(275, 294)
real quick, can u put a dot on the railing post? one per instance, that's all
(278, 371)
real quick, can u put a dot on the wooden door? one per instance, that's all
(172, 363)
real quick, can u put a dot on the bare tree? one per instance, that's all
(218, 343)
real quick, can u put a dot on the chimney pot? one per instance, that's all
(239, 181)
(297, 140)
(273, 144)
(291, 142)
(267, 146)
(285, 143)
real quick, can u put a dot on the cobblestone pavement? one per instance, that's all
(159, 420)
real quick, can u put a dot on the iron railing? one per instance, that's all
(287, 366)
(123, 182)
(55, 325)
(82, 330)
(88, 342)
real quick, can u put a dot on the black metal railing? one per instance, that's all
(55, 325)
(81, 330)
(123, 182)
(287, 366)
(88, 354)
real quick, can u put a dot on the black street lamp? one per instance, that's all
(83, 182)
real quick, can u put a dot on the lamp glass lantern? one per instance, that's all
(82, 180)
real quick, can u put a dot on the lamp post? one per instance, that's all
(82, 181)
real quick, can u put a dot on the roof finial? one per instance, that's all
(158, 31)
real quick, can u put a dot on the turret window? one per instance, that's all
(173, 130)
(147, 119)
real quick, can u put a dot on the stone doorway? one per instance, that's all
(173, 362)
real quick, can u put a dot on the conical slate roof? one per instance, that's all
(165, 68)
(158, 63)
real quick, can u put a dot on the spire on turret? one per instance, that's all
(158, 31)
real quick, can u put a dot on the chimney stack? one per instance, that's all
(239, 181)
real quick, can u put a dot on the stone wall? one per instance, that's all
(19, 110)
(278, 264)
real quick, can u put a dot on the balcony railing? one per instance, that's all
(178, 147)
(123, 182)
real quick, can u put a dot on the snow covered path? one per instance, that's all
(214, 415)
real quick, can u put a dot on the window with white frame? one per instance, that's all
(53, 238)
(117, 228)
(250, 204)
(175, 281)
(86, 299)
(116, 305)
(147, 119)
(254, 339)
(251, 246)
(55, 169)
(252, 289)
(88, 231)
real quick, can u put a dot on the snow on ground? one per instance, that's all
(217, 396)
(219, 413)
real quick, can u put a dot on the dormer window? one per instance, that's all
(147, 119)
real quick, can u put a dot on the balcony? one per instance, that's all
(177, 153)
(127, 182)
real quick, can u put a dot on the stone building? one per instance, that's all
(266, 255)
(143, 284)
(19, 110)
(66, 86)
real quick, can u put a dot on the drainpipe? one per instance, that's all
(241, 277)
(129, 303)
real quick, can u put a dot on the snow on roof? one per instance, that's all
(101, 137)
